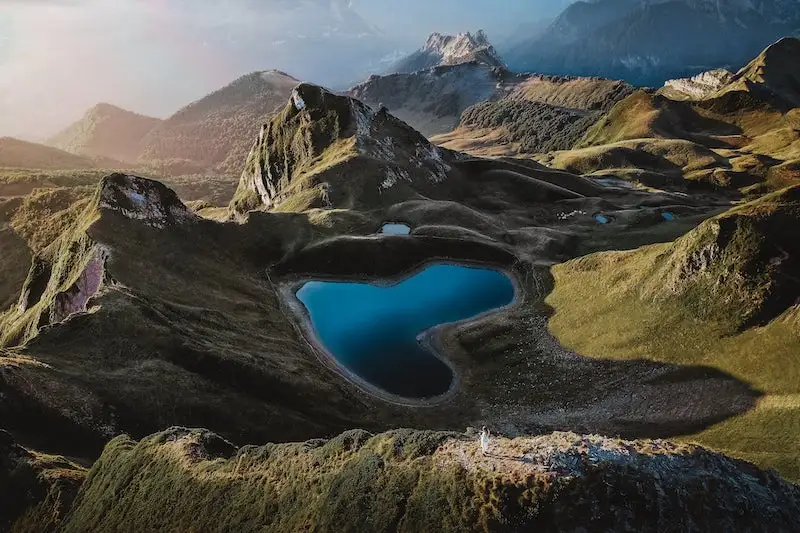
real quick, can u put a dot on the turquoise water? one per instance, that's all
(395, 229)
(372, 330)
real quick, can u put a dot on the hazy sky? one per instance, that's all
(60, 57)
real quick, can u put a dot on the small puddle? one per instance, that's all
(395, 229)
(375, 331)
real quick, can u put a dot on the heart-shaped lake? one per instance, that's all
(373, 330)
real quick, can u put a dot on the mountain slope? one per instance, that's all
(15, 153)
(432, 100)
(441, 50)
(740, 131)
(105, 131)
(335, 150)
(625, 39)
(534, 114)
(730, 289)
(216, 131)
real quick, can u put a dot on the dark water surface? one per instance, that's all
(372, 329)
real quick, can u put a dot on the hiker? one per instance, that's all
(485, 440)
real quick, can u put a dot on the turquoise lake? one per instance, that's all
(373, 330)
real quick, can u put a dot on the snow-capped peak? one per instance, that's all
(462, 48)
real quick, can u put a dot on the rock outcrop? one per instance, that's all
(697, 87)
(143, 199)
(432, 100)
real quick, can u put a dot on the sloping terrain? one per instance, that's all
(432, 100)
(15, 153)
(746, 122)
(112, 330)
(441, 50)
(535, 114)
(726, 294)
(411, 481)
(105, 131)
(137, 313)
(216, 131)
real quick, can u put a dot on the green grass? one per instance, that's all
(710, 298)
(354, 482)
(408, 481)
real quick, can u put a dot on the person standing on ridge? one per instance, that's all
(484, 440)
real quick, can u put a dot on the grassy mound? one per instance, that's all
(404, 480)
(725, 295)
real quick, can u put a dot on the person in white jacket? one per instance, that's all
(484, 440)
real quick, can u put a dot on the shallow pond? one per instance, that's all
(395, 229)
(373, 330)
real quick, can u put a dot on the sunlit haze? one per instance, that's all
(60, 57)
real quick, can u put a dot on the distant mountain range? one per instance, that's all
(213, 133)
(649, 41)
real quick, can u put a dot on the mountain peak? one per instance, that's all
(442, 49)
(462, 48)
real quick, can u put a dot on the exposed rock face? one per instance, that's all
(773, 73)
(150, 201)
(329, 149)
(408, 480)
(740, 266)
(442, 50)
(698, 87)
(535, 113)
(75, 299)
(772, 76)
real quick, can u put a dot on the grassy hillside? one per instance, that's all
(535, 114)
(724, 295)
(750, 119)
(105, 131)
(408, 481)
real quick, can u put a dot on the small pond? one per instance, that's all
(395, 229)
(374, 330)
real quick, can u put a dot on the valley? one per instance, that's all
(218, 321)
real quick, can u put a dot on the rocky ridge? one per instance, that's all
(405, 480)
